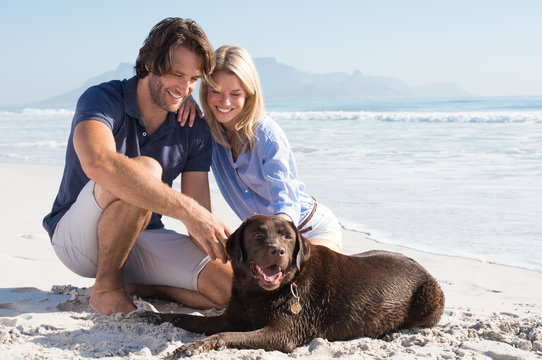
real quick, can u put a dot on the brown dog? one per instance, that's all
(286, 292)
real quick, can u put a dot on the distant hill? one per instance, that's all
(69, 100)
(284, 82)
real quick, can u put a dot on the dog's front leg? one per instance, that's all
(199, 324)
(267, 338)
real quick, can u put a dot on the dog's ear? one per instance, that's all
(302, 249)
(234, 245)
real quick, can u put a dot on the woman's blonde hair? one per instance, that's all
(237, 61)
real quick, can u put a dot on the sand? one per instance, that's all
(492, 311)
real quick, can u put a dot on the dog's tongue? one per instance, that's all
(271, 275)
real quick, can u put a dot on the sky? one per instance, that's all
(485, 47)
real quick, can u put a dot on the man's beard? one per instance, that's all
(158, 94)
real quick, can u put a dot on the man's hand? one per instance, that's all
(187, 111)
(207, 231)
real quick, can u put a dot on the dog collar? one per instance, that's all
(295, 308)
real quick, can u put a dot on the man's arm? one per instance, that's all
(196, 186)
(126, 179)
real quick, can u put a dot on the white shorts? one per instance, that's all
(159, 256)
(323, 225)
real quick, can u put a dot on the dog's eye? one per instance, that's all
(258, 235)
(288, 236)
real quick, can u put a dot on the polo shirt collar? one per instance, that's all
(130, 104)
(130, 99)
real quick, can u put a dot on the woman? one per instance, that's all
(252, 160)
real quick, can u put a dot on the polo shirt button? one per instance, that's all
(144, 133)
(246, 191)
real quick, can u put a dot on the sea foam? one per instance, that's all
(429, 117)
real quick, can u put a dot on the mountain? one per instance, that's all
(284, 82)
(69, 100)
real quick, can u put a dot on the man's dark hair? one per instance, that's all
(158, 50)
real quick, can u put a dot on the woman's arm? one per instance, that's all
(187, 111)
(280, 172)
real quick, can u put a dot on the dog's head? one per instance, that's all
(268, 250)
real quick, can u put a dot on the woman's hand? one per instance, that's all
(187, 111)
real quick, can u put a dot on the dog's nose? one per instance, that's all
(277, 251)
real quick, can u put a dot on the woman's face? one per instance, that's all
(228, 99)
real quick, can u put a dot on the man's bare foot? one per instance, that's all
(110, 302)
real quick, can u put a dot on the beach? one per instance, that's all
(492, 311)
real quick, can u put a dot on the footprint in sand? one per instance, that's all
(11, 306)
(34, 236)
(25, 290)
(8, 322)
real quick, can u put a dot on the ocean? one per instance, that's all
(459, 177)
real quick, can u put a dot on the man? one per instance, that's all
(124, 151)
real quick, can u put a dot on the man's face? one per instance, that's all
(168, 91)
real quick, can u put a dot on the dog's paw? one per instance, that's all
(200, 346)
(148, 316)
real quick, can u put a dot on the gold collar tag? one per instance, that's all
(295, 308)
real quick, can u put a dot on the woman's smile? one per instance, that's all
(227, 99)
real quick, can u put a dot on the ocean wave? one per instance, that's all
(36, 113)
(391, 116)
(420, 117)
(42, 144)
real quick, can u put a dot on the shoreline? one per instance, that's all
(368, 236)
(491, 311)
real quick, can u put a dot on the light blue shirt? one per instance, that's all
(263, 181)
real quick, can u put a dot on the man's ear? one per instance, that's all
(302, 249)
(234, 245)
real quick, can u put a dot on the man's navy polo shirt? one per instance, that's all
(177, 149)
